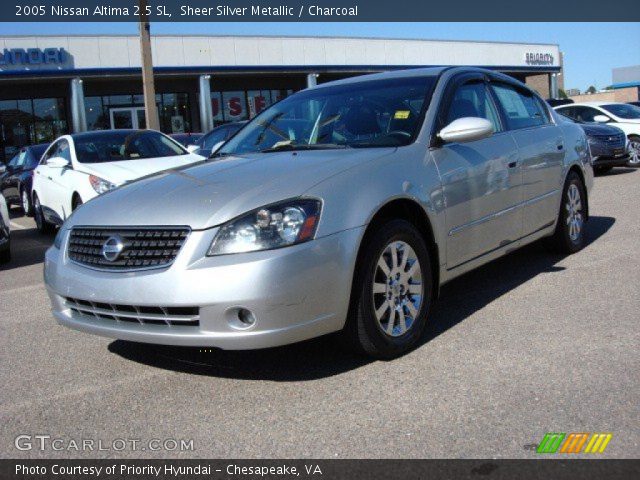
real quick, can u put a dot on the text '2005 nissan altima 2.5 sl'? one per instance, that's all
(342, 208)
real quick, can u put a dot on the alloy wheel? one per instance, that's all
(397, 289)
(635, 152)
(25, 201)
(575, 219)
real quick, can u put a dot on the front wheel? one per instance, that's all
(634, 147)
(392, 292)
(569, 236)
(41, 223)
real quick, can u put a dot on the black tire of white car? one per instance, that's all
(41, 224)
(363, 330)
(562, 240)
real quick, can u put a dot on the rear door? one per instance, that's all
(540, 149)
(482, 183)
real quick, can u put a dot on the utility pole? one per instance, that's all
(148, 87)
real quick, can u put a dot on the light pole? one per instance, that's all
(148, 87)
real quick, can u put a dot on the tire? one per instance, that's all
(602, 170)
(634, 141)
(25, 202)
(367, 330)
(569, 236)
(42, 225)
(5, 255)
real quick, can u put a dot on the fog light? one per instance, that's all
(246, 317)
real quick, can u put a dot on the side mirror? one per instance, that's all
(57, 162)
(466, 129)
(193, 148)
(216, 147)
(3, 168)
(601, 119)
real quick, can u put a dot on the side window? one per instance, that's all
(63, 150)
(473, 100)
(587, 114)
(521, 108)
(51, 152)
(568, 112)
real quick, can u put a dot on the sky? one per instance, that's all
(591, 50)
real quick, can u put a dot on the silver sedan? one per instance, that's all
(343, 208)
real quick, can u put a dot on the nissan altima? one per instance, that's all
(342, 208)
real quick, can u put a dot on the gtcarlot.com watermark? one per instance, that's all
(43, 442)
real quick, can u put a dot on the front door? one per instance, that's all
(127, 117)
(481, 180)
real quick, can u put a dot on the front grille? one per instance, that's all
(143, 247)
(186, 316)
(614, 141)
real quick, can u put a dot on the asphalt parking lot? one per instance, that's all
(530, 344)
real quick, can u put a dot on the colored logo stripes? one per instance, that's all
(574, 442)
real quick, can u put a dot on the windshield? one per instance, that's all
(114, 146)
(622, 110)
(375, 113)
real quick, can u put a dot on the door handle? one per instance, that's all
(512, 164)
(560, 146)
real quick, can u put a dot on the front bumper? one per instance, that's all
(611, 161)
(295, 293)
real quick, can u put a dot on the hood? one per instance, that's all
(212, 192)
(127, 170)
(600, 129)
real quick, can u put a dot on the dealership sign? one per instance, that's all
(532, 58)
(33, 56)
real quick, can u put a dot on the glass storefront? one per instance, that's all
(124, 111)
(30, 121)
(234, 106)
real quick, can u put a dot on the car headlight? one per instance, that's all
(100, 185)
(272, 226)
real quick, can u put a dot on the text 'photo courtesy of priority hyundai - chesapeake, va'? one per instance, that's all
(349, 240)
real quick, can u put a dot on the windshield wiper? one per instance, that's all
(289, 147)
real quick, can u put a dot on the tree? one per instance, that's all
(591, 89)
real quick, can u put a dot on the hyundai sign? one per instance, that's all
(33, 56)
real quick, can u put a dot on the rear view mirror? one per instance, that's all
(601, 119)
(466, 129)
(57, 162)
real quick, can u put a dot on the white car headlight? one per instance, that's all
(100, 185)
(274, 226)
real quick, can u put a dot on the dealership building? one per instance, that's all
(51, 85)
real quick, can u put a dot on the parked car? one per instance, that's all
(16, 181)
(624, 116)
(186, 139)
(5, 234)
(608, 145)
(215, 138)
(78, 167)
(391, 185)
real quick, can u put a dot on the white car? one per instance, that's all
(76, 168)
(622, 115)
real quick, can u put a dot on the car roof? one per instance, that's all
(597, 104)
(405, 73)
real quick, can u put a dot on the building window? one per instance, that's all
(30, 121)
(234, 106)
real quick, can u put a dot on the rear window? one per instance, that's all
(115, 146)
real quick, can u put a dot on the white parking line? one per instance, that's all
(17, 226)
